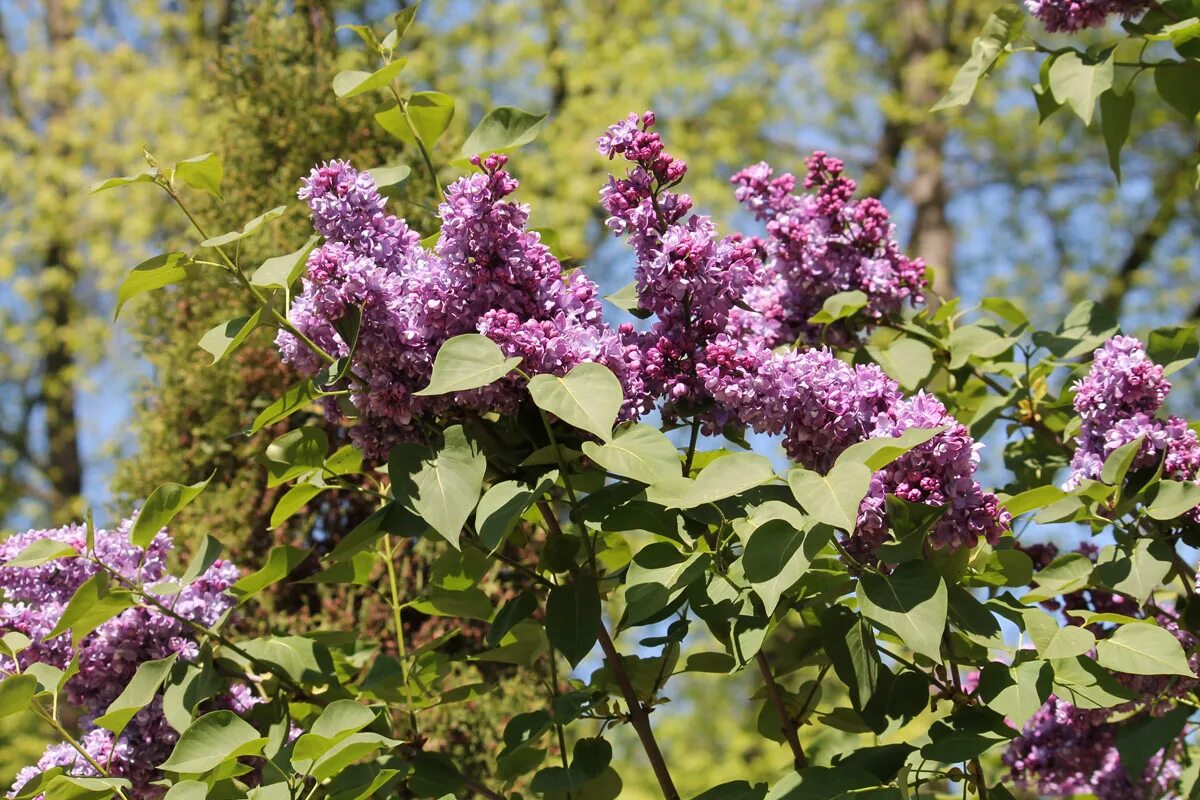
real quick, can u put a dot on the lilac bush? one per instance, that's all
(469, 391)
(104, 661)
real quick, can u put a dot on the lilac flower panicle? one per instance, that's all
(820, 244)
(939, 473)
(487, 274)
(1065, 751)
(1117, 402)
(1073, 15)
(33, 599)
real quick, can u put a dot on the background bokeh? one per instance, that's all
(94, 415)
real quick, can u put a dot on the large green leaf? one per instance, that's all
(202, 172)
(1174, 347)
(467, 362)
(879, 451)
(212, 740)
(1079, 84)
(155, 273)
(161, 507)
(588, 397)
(725, 477)
(777, 555)
(136, 695)
(430, 113)
(850, 644)
(911, 602)
(442, 489)
(1033, 499)
(249, 229)
(833, 498)
(295, 453)
(353, 82)
(1016, 692)
(1055, 641)
(224, 338)
(341, 718)
(93, 604)
(502, 505)
(1177, 83)
(1001, 27)
(15, 693)
(636, 451)
(1134, 572)
(280, 563)
(573, 618)
(280, 272)
(1116, 114)
(295, 499)
(502, 129)
(1174, 499)
(41, 551)
(839, 306)
(1141, 649)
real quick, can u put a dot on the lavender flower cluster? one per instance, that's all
(1066, 751)
(721, 307)
(820, 244)
(32, 601)
(487, 274)
(1117, 402)
(711, 348)
(1072, 15)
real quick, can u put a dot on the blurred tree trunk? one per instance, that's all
(59, 373)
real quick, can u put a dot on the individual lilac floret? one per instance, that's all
(819, 244)
(1065, 751)
(1117, 402)
(1073, 15)
(937, 473)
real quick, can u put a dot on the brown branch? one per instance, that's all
(638, 716)
(786, 723)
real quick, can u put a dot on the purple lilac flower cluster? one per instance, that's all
(486, 274)
(1072, 15)
(1065, 751)
(938, 473)
(33, 599)
(1117, 402)
(722, 304)
(820, 244)
(688, 276)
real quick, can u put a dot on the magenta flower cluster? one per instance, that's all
(820, 244)
(486, 274)
(1067, 751)
(1117, 402)
(1072, 15)
(33, 600)
(1064, 750)
(722, 306)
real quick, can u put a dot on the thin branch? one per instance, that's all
(786, 723)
